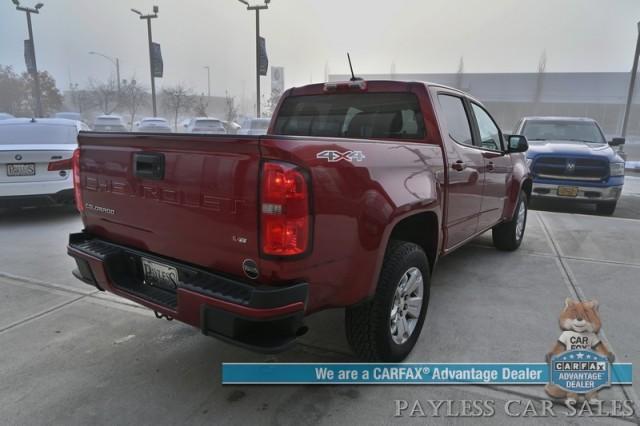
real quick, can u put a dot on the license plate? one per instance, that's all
(568, 191)
(160, 275)
(25, 169)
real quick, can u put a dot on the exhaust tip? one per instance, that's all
(302, 331)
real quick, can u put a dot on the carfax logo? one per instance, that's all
(579, 363)
(580, 372)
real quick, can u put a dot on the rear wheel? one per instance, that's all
(508, 235)
(387, 327)
(606, 208)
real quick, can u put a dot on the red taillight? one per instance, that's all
(285, 210)
(55, 166)
(77, 192)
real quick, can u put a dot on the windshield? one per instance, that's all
(361, 115)
(583, 131)
(156, 122)
(107, 120)
(208, 123)
(29, 134)
(260, 124)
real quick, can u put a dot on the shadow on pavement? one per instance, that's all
(628, 207)
(36, 214)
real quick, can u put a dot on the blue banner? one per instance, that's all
(422, 373)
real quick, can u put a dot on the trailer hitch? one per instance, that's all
(160, 316)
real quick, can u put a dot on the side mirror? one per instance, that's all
(617, 142)
(517, 143)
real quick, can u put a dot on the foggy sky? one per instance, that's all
(304, 35)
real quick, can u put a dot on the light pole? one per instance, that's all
(34, 71)
(632, 84)
(257, 8)
(208, 68)
(149, 17)
(114, 61)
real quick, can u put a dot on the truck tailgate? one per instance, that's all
(186, 197)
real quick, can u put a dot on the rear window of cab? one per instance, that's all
(352, 115)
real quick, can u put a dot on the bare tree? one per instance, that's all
(231, 111)
(460, 73)
(177, 99)
(80, 99)
(105, 94)
(542, 67)
(133, 97)
(200, 106)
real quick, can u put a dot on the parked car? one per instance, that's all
(255, 126)
(153, 125)
(349, 202)
(205, 125)
(5, 116)
(69, 115)
(570, 159)
(35, 161)
(109, 123)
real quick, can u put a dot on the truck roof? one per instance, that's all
(375, 85)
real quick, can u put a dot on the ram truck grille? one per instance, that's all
(570, 168)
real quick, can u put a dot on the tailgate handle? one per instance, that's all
(148, 165)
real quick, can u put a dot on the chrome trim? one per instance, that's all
(569, 177)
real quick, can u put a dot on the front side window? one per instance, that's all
(353, 115)
(456, 119)
(489, 132)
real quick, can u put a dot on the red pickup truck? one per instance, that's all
(348, 201)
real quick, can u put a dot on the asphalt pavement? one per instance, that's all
(72, 355)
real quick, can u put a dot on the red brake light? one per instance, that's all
(285, 221)
(55, 166)
(345, 85)
(75, 162)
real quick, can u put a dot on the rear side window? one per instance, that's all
(361, 116)
(456, 118)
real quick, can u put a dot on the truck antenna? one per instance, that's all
(353, 76)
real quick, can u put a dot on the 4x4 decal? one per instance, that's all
(335, 156)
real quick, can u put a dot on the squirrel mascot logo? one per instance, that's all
(580, 324)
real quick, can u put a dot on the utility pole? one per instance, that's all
(114, 61)
(632, 83)
(149, 17)
(208, 68)
(257, 8)
(33, 65)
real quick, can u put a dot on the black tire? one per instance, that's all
(368, 325)
(606, 208)
(505, 234)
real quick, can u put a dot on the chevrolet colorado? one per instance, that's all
(348, 201)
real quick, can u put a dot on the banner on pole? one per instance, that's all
(157, 66)
(263, 64)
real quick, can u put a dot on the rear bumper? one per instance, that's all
(264, 319)
(36, 188)
(39, 200)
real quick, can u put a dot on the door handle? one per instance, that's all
(490, 166)
(148, 165)
(459, 166)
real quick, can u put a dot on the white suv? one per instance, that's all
(35, 166)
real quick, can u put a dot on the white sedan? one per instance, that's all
(35, 161)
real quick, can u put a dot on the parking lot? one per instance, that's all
(73, 355)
